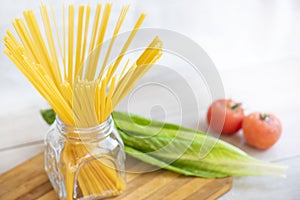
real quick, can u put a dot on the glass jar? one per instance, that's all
(85, 163)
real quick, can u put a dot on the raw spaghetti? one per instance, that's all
(64, 71)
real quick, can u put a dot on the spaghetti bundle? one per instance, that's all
(64, 71)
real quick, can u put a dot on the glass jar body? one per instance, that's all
(85, 163)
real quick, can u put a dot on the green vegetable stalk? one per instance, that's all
(181, 149)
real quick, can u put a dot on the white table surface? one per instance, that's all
(255, 46)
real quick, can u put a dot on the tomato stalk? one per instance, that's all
(235, 106)
(264, 117)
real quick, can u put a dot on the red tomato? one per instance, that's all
(261, 130)
(225, 116)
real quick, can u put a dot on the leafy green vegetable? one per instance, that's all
(186, 151)
(153, 161)
(48, 115)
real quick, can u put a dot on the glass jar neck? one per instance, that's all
(91, 133)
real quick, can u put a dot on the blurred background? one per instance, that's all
(254, 44)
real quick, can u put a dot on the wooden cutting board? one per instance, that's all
(29, 181)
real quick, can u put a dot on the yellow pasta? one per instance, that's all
(70, 44)
(72, 86)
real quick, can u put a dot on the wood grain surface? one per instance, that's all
(29, 181)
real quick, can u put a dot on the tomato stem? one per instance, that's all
(264, 117)
(235, 106)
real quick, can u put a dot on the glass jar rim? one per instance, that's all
(99, 131)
